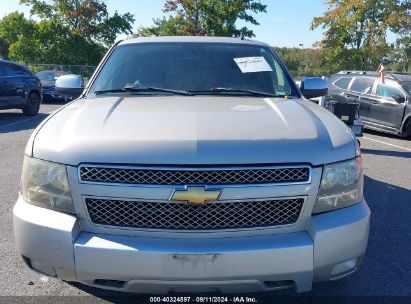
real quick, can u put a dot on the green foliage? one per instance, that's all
(163, 27)
(69, 32)
(355, 31)
(14, 25)
(205, 17)
(314, 62)
(87, 18)
(19, 34)
(303, 62)
(399, 58)
(4, 48)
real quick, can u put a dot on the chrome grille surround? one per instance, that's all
(182, 176)
(216, 215)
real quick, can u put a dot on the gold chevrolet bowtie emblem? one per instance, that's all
(195, 195)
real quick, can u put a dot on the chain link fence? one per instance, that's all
(84, 70)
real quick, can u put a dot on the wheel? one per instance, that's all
(32, 105)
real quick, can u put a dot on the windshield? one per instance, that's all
(193, 67)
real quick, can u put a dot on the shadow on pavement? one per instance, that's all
(385, 273)
(387, 153)
(15, 122)
(9, 116)
(56, 102)
(388, 135)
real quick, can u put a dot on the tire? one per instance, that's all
(32, 105)
(407, 129)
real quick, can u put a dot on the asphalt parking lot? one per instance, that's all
(386, 271)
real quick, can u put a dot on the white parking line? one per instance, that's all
(388, 144)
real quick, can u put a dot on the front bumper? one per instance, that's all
(158, 265)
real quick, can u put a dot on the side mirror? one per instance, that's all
(398, 98)
(70, 85)
(312, 87)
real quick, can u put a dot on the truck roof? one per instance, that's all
(399, 76)
(193, 39)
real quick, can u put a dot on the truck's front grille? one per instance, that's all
(184, 176)
(180, 216)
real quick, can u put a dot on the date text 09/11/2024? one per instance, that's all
(239, 299)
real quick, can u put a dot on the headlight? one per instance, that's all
(45, 184)
(341, 186)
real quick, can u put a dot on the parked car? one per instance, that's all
(192, 164)
(19, 88)
(48, 82)
(384, 106)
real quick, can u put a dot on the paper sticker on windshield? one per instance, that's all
(253, 64)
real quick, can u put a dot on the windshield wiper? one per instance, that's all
(255, 93)
(185, 93)
(144, 89)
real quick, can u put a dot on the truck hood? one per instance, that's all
(193, 130)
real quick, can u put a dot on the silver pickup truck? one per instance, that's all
(192, 164)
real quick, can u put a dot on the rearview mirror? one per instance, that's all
(398, 98)
(312, 87)
(70, 85)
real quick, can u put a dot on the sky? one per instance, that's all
(286, 23)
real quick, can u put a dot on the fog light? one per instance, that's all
(344, 268)
(43, 268)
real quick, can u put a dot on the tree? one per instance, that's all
(355, 36)
(69, 31)
(4, 49)
(205, 17)
(87, 18)
(304, 62)
(16, 30)
(15, 25)
(46, 41)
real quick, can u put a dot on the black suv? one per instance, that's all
(19, 88)
(384, 106)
